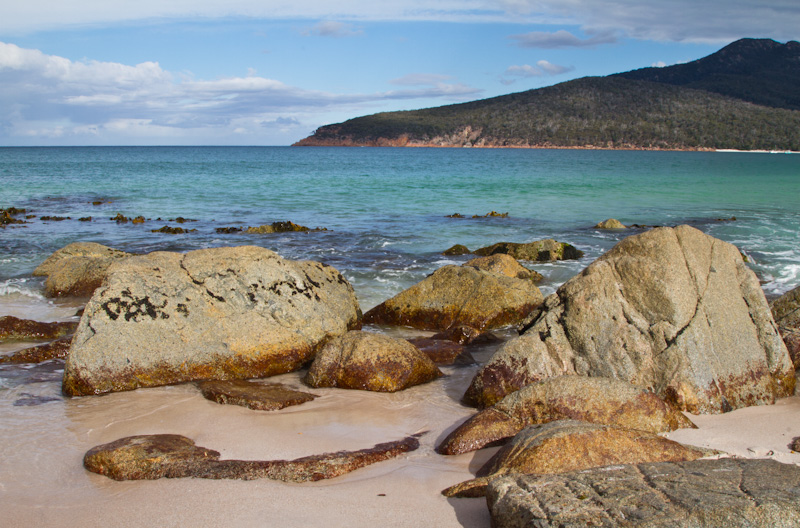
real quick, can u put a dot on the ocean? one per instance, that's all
(385, 214)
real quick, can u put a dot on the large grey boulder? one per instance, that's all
(223, 313)
(77, 269)
(723, 493)
(459, 295)
(672, 310)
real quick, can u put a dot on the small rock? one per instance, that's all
(368, 361)
(795, 445)
(54, 218)
(257, 396)
(610, 223)
(173, 230)
(456, 250)
(228, 230)
(280, 227)
(15, 329)
(173, 456)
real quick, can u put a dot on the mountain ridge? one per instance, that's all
(678, 107)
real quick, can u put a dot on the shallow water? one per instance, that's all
(385, 210)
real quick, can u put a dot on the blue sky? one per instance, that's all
(269, 72)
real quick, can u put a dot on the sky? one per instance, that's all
(270, 72)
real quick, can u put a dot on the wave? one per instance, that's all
(22, 287)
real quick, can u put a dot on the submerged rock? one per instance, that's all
(368, 361)
(257, 396)
(504, 265)
(53, 350)
(150, 457)
(172, 230)
(610, 223)
(595, 400)
(459, 295)
(540, 251)
(16, 329)
(222, 313)
(672, 310)
(697, 494)
(442, 351)
(280, 227)
(77, 269)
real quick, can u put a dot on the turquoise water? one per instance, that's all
(386, 209)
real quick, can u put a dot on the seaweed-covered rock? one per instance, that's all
(694, 494)
(368, 361)
(77, 269)
(253, 395)
(459, 295)
(672, 310)
(595, 400)
(570, 445)
(37, 354)
(504, 265)
(16, 329)
(547, 250)
(149, 457)
(280, 227)
(456, 250)
(222, 313)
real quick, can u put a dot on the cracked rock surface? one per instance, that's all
(698, 494)
(223, 313)
(672, 310)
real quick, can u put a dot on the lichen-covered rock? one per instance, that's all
(570, 445)
(786, 311)
(223, 313)
(610, 223)
(540, 251)
(368, 361)
(595, 400)
(459, 295)
(672, 310)
(77, 269)
(149, 457)
(719, 493)
(504, 265)
(16, 329)
(253, 395)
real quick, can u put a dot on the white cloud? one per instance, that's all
(659, 64)
(417, 79)
(330, 28)
(47, 96)
(562, 39)
(543, 68)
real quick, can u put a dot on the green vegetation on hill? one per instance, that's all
(614, 112)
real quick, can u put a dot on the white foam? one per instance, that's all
(25, 287)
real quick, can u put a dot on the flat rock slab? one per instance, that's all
(16, 329)
(149, 457)
(596, 400)
(722, 493)
(53, 350)
(257, 396)
(568, 445)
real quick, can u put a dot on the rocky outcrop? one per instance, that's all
(504, 265)
(77, 269)
(253, 395)
(223, 313)
(672, 310)
(786, 311)
(53, 350)
(280, 227)
(368, 361)
(595, 400)
(569, 445)
(456, 250)
(459, 295)
(16, 329)
(173, 456)
(540, 251)
(695, 494)
(610, 223)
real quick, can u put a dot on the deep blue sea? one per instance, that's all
(385, 211)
